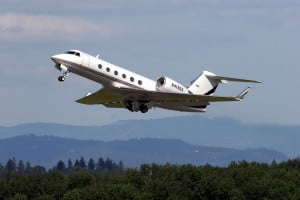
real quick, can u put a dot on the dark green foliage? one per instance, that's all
(82, 163)
(21, 167)
(61, 167)
(11, 165)
(79, 180)
(240, 180)
(100, 165)
(70, 165)
(91, 165)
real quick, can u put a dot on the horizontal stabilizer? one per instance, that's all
(223, 78)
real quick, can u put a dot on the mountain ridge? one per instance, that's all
(47, 150)
(197, 130)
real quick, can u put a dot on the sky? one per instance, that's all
(253, 39)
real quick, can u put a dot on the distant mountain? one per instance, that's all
(47, 150)
(197, 130)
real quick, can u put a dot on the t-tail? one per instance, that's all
(207, 83)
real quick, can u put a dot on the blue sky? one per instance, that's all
(255, 39)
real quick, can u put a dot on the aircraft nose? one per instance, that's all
(57, 58)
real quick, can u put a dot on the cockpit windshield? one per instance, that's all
(73, 53)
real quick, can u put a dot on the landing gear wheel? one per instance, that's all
(61, 78)
(143, 109)
(129, 105)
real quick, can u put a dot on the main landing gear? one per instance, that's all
(135, 106)
(143, 108)
(63, 77)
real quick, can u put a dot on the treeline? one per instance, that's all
(239, 180)
(101, 166)
(20, 167)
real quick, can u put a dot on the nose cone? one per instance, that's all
(58, 59)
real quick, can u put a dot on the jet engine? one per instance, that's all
(165, 84)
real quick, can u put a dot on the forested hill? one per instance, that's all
(47, 150)
(196, 129)
(240, 180)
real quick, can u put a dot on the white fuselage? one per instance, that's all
(110, 75)
(104, 72)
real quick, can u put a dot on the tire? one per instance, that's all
(143, 109)
(61, 78)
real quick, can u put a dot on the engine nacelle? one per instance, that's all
(165, 84)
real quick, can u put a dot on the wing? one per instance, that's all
(109, 96)
(102, 96)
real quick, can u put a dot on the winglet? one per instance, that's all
(243, 93)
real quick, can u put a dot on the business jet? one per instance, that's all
(125, 89)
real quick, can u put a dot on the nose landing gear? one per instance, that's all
(63, 77)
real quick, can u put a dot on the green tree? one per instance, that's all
(73, 195)
(44, 197)
(100, 165)
(82, 163)
(19, 197)
(61, 167)
(108, 165)
(70, 165)
(79, 179)
(76, 164)
(121, 166)
(28, 168)
(91, 165)
(21, 166)
(11, 165)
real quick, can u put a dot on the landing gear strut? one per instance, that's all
(63, 77)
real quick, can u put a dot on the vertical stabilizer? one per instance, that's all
(204, 85)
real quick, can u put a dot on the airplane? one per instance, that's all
(125, 89)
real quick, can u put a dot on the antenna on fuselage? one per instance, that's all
(97, 56)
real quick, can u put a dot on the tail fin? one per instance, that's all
(203, 84)
(207, 83)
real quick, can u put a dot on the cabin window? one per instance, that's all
(131, 79)
(108, 69)
(140, 82)
(116, 73)
(100, 66)
(124, 75)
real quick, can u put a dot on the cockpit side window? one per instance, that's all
(70, 52)
(73, 53)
